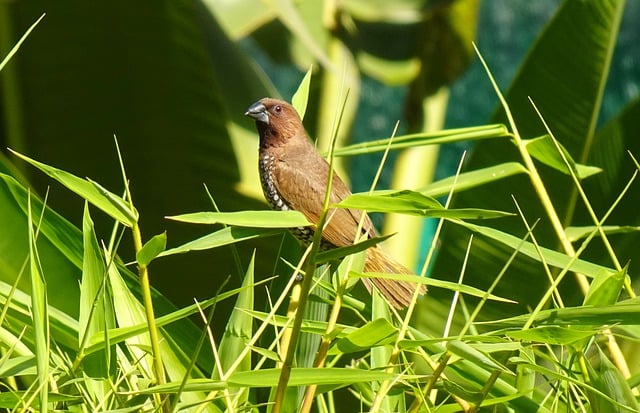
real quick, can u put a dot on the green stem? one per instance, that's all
(158, 367)
(299, 300)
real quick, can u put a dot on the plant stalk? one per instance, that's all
(158, 367)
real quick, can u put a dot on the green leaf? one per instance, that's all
(432, 282)
(378, 332)
(59, 247)
(554, 258)
(225, 236)
(341, 252)
(468, 352)
(240, 18)
(544, 150)
(473, 179)
(267, 377)
(301, 96)
(564, 74)
(606, 287)
(111, 204)
(151, 249)
(308, 376)
(308, 326)
(413, 203)
(389, 72)
(554, 335)
(96, 307)
(610, 382)
(253, 219)
(624, 312)
(40, 315)
(437, 138)
(120, 334)
(578, 233)
(15, 48)
(239, 328)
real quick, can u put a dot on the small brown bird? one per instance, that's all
(294, 177)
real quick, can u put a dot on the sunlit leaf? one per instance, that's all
(605, 288)
(544, 150)
(254, 219)
(152, 249)
(555, 335)
(219, 238)
(414, 203)
(472, 179)
(438, 138)
(378, 332)
(578, 233)
(301, 96)
(111, 204)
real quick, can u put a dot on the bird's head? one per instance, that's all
(276, 120)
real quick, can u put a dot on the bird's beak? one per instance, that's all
(258, 111)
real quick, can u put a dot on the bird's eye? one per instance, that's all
(278, 109)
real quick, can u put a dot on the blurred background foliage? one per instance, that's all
(171, 79)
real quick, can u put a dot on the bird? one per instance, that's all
(294, 176)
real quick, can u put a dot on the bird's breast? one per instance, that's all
(267, 165)
(271, 193)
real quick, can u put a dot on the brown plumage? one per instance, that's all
(294, 177)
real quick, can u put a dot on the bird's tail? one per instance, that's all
(398, 293)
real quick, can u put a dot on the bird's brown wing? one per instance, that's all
(303, 188)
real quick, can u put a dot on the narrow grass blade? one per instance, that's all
(577, 233)
(554, 258)
(111, 204)
(17, 45)
(433, 282)
(253, 219)
(338, 253)
(414, 203)
(447, 136)
(553, 335)
(471, 179)
(624, 312)
(219, 238)
(40, 317)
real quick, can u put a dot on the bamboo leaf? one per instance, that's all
(555, 335)
(301, 96)
(111, 204)
(544, 150)
(414, 203)
(378, 332)
(151, 249)
(254, 219)
(472, 179)
(225, 236)
(39, 313)
(624, 312)
(239, 328)
(96, 307)
(474, 133)
(605, 288)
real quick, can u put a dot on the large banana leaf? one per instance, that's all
(564, 74)
(166, 80)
